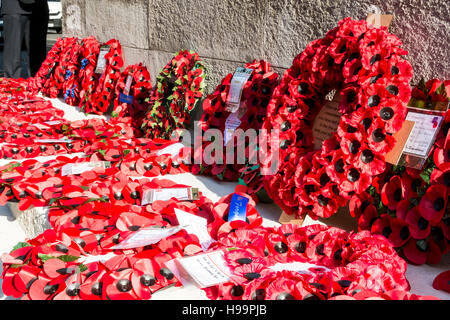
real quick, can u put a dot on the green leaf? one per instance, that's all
(68, 258)
(20, 245)
(421, 86)
(441, 90)
(82, 267)
(45, 257)
(102, 152)
(11, 167)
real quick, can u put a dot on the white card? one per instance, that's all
(101, 61)
(182, 194)
(146, 236)
(173, 149)
(127, 88)
(207, 269)
(52, 123)
(63, 140)
(231, 124)
(80, 167)
(195, 225)
(423, 133)
(238, 81)
(300, 267)
(95, 258)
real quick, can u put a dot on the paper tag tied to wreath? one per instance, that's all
(202, 270)
(124, 96)
(238, 208)
(240, 77)
(195, 225)
(181, 194)
(231, 124)
(418, 134)
(420, 139)
(101, 61)
(173, 150)
(146, 236)
(80, 167)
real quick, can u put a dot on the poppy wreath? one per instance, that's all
(256, 95)
(44, 80)
(82, 135)
(116, 213)
(221, 226)
(87, 79)
(59, 266)
(67, 58)
(139, 90)
(411, 207)
(15, 86)
(103, 95)
(179, 86)
(70, 81)
(37, 184)
(337, 263)
(365, 66)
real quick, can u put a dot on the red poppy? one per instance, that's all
(433, 203)
(442, 281)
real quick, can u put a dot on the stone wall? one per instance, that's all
(228, 33)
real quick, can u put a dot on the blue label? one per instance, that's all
(126, 99)
(238, 208)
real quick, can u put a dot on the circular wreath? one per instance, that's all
(410, 207)
(179, 86)
(140, 91)
(44, 80)
(255, 97)
(262, 264)
(87, 80)
(365, 66)
(61, 266)
(66, 64)
(102, 96)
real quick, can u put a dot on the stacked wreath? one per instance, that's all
(102, 96)
(139, 92)
(44, 80)
(87, 79)
(262, 264)
(365, 65)
(66, 65)
(410, 207)
(255, 97)
(180, 85)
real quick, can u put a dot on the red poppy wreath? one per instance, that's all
(132, 90)
(408, 206)
(179, 86)
(365, 66)
(256, 95)
(309, 263)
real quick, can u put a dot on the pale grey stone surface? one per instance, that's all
(124, 20)
(33, 221)
(230, 33)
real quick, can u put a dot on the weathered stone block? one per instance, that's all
(74, 17)
(231, 30)
(33, 221)
(124, 20)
